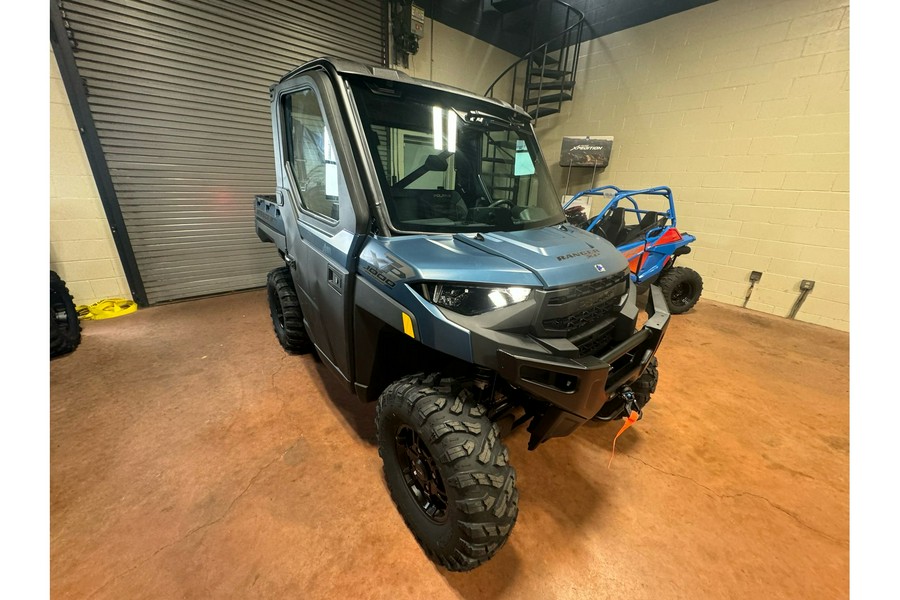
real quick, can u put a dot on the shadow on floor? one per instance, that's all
(489, 580)
(359, 415)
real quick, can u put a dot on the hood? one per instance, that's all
(549, 257)
(557, 255)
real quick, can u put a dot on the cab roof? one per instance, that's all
(348, 67)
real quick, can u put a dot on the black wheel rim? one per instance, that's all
(682, 294)
(421, 474)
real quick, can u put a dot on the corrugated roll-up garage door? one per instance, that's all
(179, 91)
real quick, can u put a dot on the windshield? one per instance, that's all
(450, 164)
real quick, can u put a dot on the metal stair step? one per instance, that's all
(550, 73)
(551, 85)
(543, 111)
(510, 144)
(540, 58)
(551, 99)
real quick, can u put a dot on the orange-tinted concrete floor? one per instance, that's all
(192, 458)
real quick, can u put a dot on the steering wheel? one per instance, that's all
(497, 203)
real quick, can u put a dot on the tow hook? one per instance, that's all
(619, 405)
(633, 410)
(630, 402)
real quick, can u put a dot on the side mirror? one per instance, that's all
(436, 162)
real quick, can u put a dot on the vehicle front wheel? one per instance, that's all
(681, 288)
(284, 306)
(447, 469)
(65, 328)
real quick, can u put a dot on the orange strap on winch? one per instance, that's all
(632, 418)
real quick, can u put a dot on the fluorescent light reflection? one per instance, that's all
(437, 127)
(451, 131)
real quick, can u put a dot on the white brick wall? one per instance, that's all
(742, 107)
(82, 250)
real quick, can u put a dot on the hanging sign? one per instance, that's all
(590, 151)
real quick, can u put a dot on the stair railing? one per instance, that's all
(567, 43)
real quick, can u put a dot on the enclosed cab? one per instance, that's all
(429, 264)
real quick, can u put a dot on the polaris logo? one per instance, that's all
(599, 268)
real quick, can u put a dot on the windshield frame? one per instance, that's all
(464, 104)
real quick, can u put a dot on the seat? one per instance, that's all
(648, 220)
(612, 226)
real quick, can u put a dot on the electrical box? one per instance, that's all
(417, 21)
(408, 26)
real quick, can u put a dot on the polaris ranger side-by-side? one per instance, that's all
(429, 264)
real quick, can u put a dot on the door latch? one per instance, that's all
(335, 280)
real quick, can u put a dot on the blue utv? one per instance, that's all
(649, 239)
(428, 262)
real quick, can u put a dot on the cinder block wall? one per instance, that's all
(82, 250)
(741, 106)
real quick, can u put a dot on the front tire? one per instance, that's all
(65, 328)
(447, 469)
(284, 306)
(681, 288)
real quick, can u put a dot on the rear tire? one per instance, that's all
(284, 306)
(65, 328)
(681, 288)
(447, 470)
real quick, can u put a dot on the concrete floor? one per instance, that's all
(192, 458)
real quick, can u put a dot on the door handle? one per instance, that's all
(335, 280)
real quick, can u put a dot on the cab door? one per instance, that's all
(319, 177)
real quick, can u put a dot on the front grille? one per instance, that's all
(584, 319)
(596, 342)
(569, 312)
(586, 289)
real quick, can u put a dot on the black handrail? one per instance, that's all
(543, 47)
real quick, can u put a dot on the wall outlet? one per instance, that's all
(807, 285)
(755, 276)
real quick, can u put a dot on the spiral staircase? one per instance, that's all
(544, 77)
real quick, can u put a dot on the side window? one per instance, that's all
(311, 153)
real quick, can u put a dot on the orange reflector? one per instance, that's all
(408, 326)
(628, 423)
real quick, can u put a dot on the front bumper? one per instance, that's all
(576, 388)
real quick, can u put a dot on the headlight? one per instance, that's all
(474, 300)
